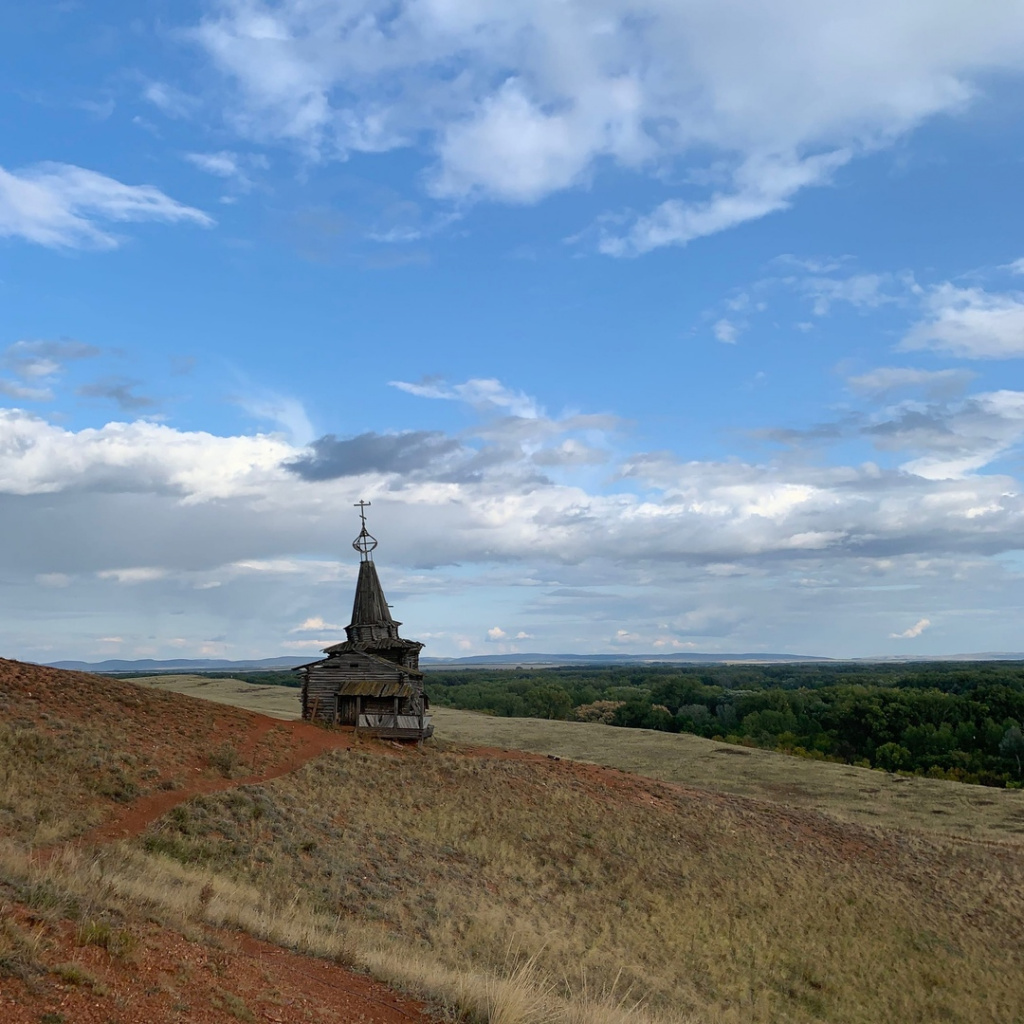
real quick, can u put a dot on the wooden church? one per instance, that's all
(371, 680)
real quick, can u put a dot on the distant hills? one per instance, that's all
(186, 665)
(182, 665)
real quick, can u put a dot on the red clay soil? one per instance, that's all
(300, 742)
(216, 977)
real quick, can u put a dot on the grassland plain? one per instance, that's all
(860, 795)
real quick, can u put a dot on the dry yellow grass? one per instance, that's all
(49, 783)
(850, 794)
(708, 908)
(427, 868)
(276, 701)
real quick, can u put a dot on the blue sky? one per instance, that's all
(645, 326)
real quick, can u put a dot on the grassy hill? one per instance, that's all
(510, 887)
(859, 795)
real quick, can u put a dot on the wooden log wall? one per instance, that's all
(324, 679)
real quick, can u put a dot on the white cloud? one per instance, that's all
(971, 323)
(862, 291)
(515, 101)
(913, 632)
(726, 331)
(233, 167)
(287, 412)
(24, 393)
(315, 624)
(761, 185)
(958, 441)
(222, 164)
(39, 458)
(169, 99)
(138, 574)
(53, 579)
(481, 393)
(124, 525)
(886, 379)
(306, 645)
(63, 206)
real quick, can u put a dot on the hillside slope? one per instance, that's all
(94, 759)
(848, 793)
(511, 888)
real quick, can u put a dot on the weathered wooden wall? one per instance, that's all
(376, 684)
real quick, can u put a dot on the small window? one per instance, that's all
(353, 664)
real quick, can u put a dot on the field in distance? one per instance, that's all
(842, 791)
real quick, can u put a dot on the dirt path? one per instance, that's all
(178, 746)
(308, 742)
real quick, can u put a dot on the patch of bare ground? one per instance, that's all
(100, 970)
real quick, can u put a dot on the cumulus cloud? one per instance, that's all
(913, 632)
(37, 457)
(331, 457)
(63, 207)
(971, 323)
(141, 520)
(517, 101)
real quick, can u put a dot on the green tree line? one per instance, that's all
(960, 721)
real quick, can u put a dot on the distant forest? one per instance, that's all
(947, 720)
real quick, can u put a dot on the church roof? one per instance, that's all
(370, 607)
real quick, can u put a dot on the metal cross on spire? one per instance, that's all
(366, 541)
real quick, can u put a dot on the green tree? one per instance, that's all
(893, 757)
(547, 702)
(1012, 745)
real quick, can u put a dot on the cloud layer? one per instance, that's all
(518, 101)
(244, 530)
